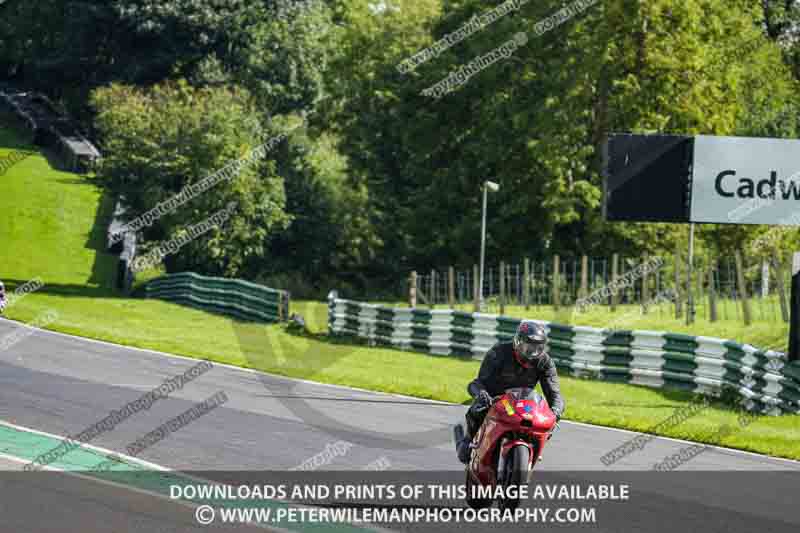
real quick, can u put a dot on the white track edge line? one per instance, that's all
(92, 447)
(20, 460)
(156, 467)
(178, 501)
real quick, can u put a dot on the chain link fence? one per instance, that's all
(717, 291)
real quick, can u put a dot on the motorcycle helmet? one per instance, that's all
(529, 342)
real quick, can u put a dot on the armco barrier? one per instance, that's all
(764, 379)
(233, 297)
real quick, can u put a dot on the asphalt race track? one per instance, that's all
(61, 385)
(58, 500)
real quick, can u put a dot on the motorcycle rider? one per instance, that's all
(522, 362)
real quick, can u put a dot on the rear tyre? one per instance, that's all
(516, 474)
(475, 503)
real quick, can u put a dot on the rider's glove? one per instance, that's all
(484, 399)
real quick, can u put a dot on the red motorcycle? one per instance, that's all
(507, 446)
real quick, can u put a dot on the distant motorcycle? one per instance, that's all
(507, 446)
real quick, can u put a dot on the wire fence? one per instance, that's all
(718, 292)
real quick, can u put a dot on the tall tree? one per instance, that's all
(69, 48)
(160, 140)
(536, 121)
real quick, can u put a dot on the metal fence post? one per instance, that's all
(476, 289)
(779, 285)
(645, 287)
(451, 286)
(584, 290)
(556, 283)
(502, 287)
(526, 284)
(743, 289)
(614, 277)
(712, 294)
(412, 289)
(432, 289)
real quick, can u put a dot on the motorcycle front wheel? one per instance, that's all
(516, 474)
(475, 503)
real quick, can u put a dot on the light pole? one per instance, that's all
(494, 187)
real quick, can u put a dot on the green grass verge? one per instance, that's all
(55, 231)
(51, 225)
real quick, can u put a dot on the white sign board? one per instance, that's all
(746, 180)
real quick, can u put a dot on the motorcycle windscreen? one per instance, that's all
(533, 407)
(525, 393)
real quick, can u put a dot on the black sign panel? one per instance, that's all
(647, 178)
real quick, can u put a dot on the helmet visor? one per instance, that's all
(530, 350)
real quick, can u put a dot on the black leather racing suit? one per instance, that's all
(500, 371)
